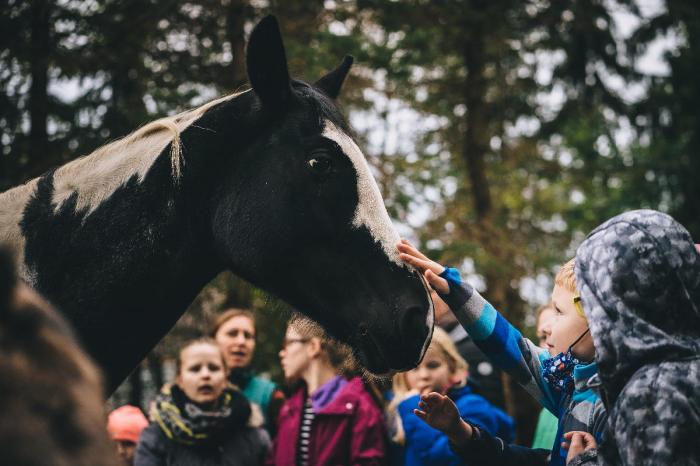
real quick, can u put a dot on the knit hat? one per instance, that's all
(126, 423)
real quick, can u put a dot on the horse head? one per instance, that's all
(298, 212)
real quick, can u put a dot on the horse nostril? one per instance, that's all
(364, 330)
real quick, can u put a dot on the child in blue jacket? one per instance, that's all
(558, 377)
(442, 370)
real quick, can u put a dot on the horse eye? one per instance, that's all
(320, 165)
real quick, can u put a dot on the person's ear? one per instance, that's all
(459, 375)
(314, 347)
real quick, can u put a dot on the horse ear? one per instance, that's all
(331, 83)
(267, 63)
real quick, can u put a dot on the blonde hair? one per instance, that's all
(172, 125)
(400, 389)
(443, 344)
(566, 278)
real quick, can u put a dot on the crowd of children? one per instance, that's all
(616, 369)
(331, 416)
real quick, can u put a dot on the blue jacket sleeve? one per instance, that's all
(486, 450)
(499, 340)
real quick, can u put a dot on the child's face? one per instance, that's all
(566, 326)
(202, 376)
(432, 374)
(236, 337)
(126, 450)
(294, 356)
(544, 321)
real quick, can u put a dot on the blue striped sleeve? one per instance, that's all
(502, 343)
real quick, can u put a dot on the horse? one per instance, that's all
(268, 183)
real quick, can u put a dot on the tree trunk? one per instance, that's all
(136, 387)
(476, 146)
(38, 92)
(235, 33)
(155, 366)
(476, 136)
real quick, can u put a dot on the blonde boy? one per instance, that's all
(557, 376)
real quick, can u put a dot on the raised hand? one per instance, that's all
(440, 413)
(430, 269)
(577, 442)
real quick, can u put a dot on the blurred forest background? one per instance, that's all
(500, 131)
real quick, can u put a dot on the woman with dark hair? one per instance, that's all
(330, 419)
(201, 419)
(235, 332)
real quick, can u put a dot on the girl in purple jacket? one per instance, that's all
(330, 419)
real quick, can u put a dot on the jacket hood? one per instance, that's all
(638, 275)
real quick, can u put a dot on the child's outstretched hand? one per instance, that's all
(577, 442)
(430, 269)
(440, 413)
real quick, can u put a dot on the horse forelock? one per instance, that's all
(95, 177)
(370, 211)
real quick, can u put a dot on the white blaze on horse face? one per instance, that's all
(370, 212)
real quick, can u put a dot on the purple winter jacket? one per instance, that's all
(349, 430)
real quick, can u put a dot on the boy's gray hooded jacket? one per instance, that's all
(639, 279)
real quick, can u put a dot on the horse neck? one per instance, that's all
(123, 271)
(120, 245)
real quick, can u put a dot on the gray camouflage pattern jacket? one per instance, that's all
(639, 279)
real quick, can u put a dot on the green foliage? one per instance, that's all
(496, 128)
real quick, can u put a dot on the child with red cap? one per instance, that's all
(124, 425)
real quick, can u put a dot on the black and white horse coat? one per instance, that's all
(267, 183)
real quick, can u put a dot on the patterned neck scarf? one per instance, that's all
(558, 371)
(187, 422)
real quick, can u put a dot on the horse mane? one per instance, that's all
(94, 177)
(174, 125)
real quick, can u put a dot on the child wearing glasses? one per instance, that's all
(557, 376)
(330, 419)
